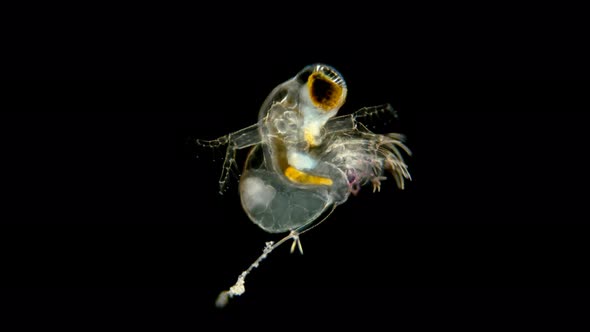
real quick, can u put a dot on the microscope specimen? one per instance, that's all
(304, 160)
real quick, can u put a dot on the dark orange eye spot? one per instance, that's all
(324, 92)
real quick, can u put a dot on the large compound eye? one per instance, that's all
(326, 88)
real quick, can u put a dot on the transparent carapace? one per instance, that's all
(304, 160)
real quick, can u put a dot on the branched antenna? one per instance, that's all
(373, 111)
(229, 161)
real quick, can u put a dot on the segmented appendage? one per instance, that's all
(365, 156)
(383, 150)
(213, 143)
(367, 115)
(389, 146)
(229, 161)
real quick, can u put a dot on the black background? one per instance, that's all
(111, 218)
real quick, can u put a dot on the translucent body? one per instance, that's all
(304, 160)
(277, 205)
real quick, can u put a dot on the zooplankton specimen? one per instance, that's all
(304, 160)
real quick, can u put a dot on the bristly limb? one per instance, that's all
(240, 139)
